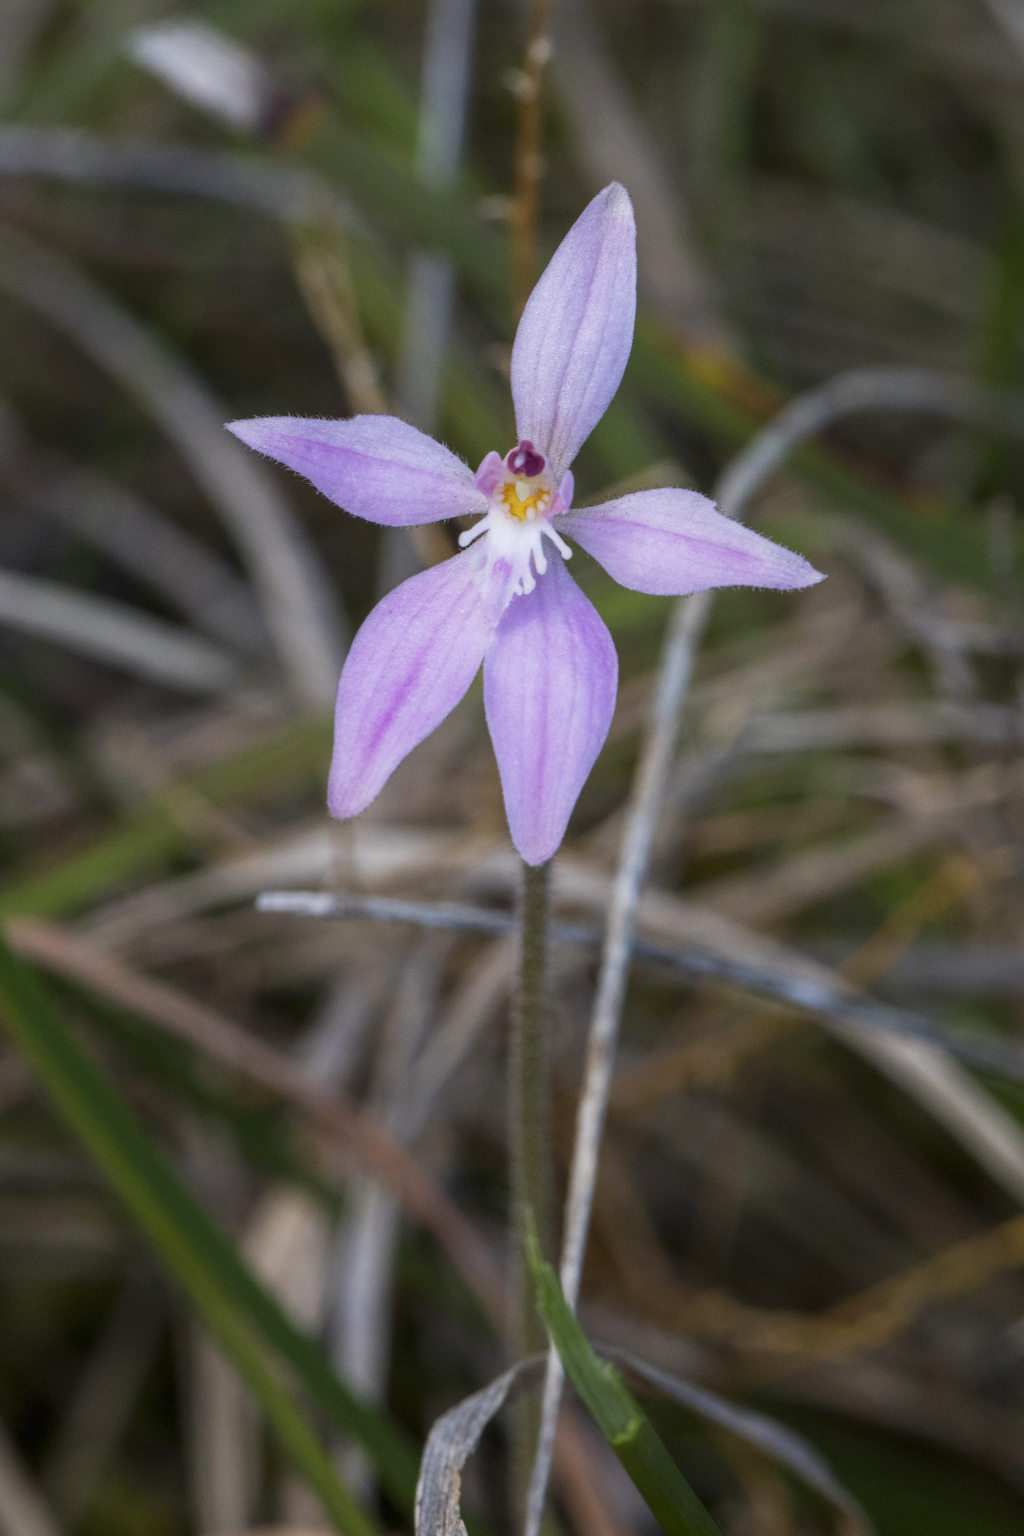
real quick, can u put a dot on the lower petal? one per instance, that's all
(671, 542)
(550, 678)
(409, 666)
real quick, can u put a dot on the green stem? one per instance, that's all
(620, 1418)
(529, 1156)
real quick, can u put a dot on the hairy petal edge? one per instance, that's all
(670, 542)
(575, 336)
(377, 467)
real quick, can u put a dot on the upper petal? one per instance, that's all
(573, 341)
(377, 467)
(672, 541)
(408, 667)
(550, 677)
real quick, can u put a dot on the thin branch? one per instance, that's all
(988, 1054)
(645, 803)
(447, 915)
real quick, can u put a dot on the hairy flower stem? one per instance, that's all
(529, 1149)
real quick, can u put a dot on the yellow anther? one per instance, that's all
(524, 499)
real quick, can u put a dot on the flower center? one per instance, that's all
(522, 500)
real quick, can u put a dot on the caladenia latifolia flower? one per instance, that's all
(507, 600)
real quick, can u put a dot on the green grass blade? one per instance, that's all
(245, 1317)
(619, 1416)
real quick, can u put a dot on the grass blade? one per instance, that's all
(242, 1315)
(619, 1416)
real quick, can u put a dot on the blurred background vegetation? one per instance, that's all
(827, 1232)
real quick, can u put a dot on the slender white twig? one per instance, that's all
(652, 775)
(387, 909)
(798, 991)
(98, 627)
(861, 390)
(300, 608)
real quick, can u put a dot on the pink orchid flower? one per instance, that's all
(508, 601)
